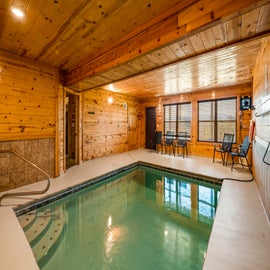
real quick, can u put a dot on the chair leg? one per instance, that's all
(241, 162)
(232, 162)
(248, 165)
(222, 158)
(214, 156)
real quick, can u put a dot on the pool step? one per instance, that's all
(37, 226)
(27, 220)
(43, 231)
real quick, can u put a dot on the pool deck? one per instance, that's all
(240, 238)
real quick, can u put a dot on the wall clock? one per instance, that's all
(245, 103)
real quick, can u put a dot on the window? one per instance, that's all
(215, 118)
(177, 196)
(207, 203)
(177, 118)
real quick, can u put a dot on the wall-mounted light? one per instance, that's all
(110, 100)
(17, 12)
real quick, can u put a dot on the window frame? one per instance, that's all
(215, 120)
(177, 121)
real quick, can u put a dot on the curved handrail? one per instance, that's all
(25, 193)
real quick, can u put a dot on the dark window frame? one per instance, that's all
(177, 120)
(215, 119)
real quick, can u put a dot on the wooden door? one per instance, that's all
(150, 128)
(132, 128)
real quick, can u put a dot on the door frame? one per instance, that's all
(77, 145)
(152, 131)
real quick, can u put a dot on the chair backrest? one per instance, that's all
(227, 142)
(245, 146)
(158, 137)
(182, 137)
(169, 137)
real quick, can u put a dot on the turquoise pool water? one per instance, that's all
(141, 219)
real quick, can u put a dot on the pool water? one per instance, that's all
(142, 219)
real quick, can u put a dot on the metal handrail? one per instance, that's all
(25, 193)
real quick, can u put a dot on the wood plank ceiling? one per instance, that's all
(143, 49)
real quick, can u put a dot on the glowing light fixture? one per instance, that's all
(111, 87)
(17, 12)
(109, 222)
(110, 100)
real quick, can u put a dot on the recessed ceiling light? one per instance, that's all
(17, 12)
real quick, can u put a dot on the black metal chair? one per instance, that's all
(181, 142)
(158, 140)
(241, 152)
(167, 142)
(225, 147)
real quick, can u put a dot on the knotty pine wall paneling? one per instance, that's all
(194, 147)
(28, 99)
(28, 95)
(261, 115)
(105, 125)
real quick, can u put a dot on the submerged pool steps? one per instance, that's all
(44, 231)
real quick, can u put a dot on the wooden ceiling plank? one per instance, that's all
(129, 68)
(140, 65)
(135, 66)
(169, 54)
(264, 19)
(250, 20)
(234, 29)
(197, 43)
(68, 34)
(186, 46)
(80, 28)
(220, 34)
(147, 62)
(206, 11)
(161, 56)
(3, 15)
(178, 50)
(208, 39)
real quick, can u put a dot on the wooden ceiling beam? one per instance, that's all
(3, 14)
(163, 31)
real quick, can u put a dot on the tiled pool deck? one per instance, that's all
(240, 237)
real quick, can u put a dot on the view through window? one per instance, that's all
(216, 117)
(177, 118)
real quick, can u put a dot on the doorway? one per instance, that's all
(132, 127)
(71, 129)
(150, 128)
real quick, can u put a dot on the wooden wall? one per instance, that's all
(28, 99)
(194, 147)
(28, 94)
(261, 115)
(105, 125)
(60, 163)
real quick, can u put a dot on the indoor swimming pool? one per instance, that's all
(142, 218)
